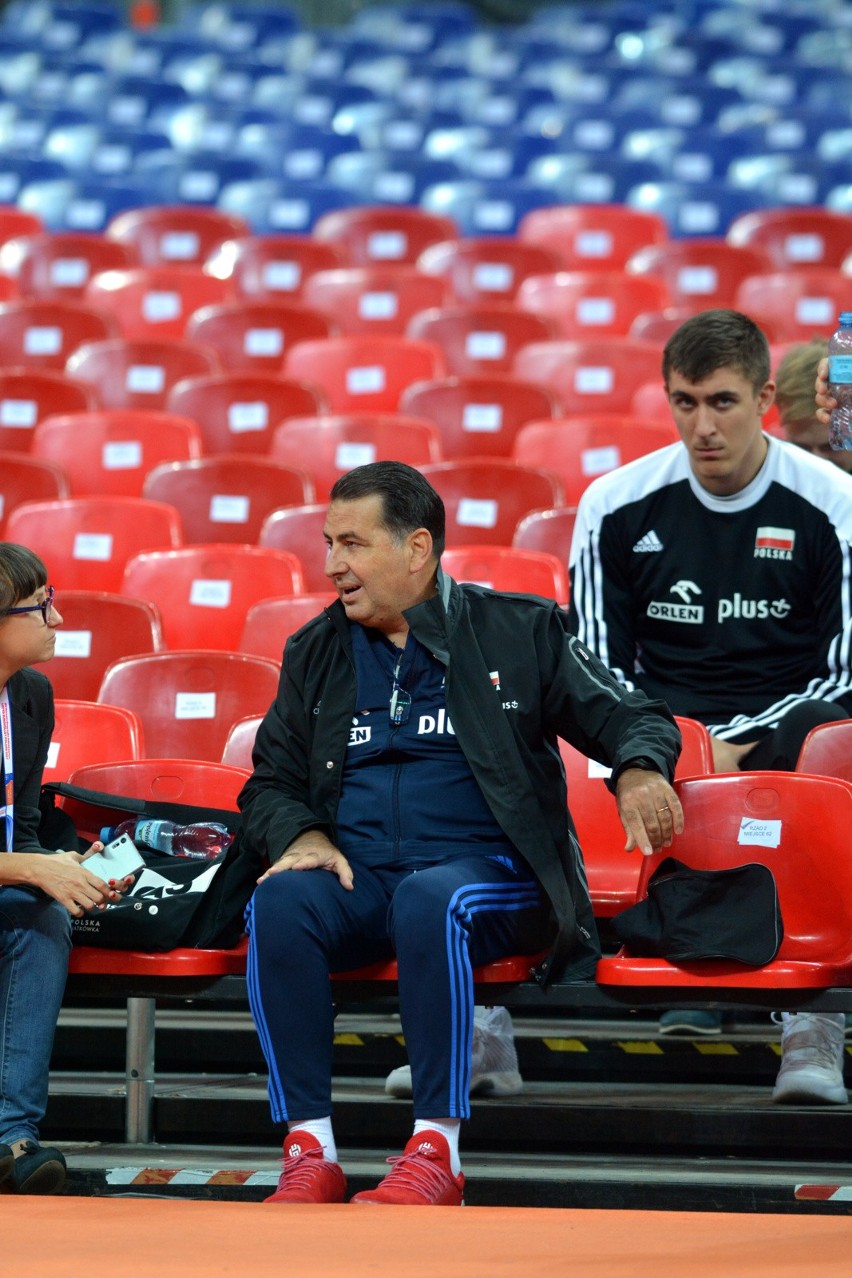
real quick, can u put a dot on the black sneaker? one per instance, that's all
(7, 1159)
(37, 1171)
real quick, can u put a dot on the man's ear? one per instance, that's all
(766, 397)
(420, 548)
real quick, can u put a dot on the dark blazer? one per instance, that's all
(31, 700)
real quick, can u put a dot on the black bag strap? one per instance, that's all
(182, 813)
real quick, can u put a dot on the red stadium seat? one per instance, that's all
(373, 299)
(299, 530)
(14, 222)
(549, 530)
(579, 449)
(478, 416)
(155, 301)
(827, 750)
(88, 732)
(486, 499)
(202, 593)
(172, 234)
(795, 238)
(592, 236)
(592, 303)
(24, 478)
(396, 233)
(226, 498)
(362, 373)
(240, 742)
(97, 628)
(270, 622)
(29, 395)
(483, 269)
(327, 446)
(253, 336)
(188, 700)
(108, 452)
(59, 264)
(273, 268)
(796, 825)
(139, 372)
(700, 271)
(480, 339)
(86, 541)
(44, 332)
(588, 376)
(238, 412)
(533, 572)
(795, 305)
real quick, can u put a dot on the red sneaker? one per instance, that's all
(420, 1176)
(307, 1177)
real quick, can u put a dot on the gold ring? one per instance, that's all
(665, 809)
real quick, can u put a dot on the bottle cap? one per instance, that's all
(845, 317)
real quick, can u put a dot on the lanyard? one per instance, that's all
(8, 774)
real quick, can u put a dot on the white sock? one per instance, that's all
(449, 1129)
(320, 1128)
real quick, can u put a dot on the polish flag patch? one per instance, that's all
(775, 539)
(494, 676)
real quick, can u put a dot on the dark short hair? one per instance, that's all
(718, 339)
(22, 573)
(408, 499)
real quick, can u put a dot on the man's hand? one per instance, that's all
(650, 810)
(726, 755)
(825, 402)
(313, 851)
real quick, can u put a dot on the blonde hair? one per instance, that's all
(794, 380)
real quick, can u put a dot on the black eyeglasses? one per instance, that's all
(44, 607)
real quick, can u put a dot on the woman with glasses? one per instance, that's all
(39, 889)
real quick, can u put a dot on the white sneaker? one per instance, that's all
(812, 1050)
(493, 1062)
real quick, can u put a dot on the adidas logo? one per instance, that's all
(649, 544)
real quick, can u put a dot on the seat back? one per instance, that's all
(580, 449)
(108, 452)
(370, 233)
(237, 412)
(590, 376)
(534, 572)
(161, 234)
(549, 530)
(154, 301)
(299, 530)
(24, 478)
(139, 372)
(373, 299)
(598, 235)
(592, 303)
(249, 335)
(795, 305)
(240, 742)
(270, 622)
(88, 732)
(478, 415)
(613, 874)
(486, 499)
(45, 332)
(97, 628)
(488, 268)
(328, 445)
(227, 498)
(480, 339)
(362, 373)
(27, 396)
(202, 593)
(59, 264)
(795, 238)
(188, 700)
(273, 268)
(827, 750)
(703, 271)
(88, 540)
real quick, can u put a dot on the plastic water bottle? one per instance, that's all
(840, 383)
(203, 840)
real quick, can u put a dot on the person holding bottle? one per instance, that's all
(797, 406)
(39, 890)
(715, 574)
(409, 796)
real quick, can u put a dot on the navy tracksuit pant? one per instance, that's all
(439, 922)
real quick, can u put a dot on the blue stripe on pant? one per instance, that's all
(441, 922)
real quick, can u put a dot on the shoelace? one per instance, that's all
(814, 1041)
(418, 1172)
(296, 1171)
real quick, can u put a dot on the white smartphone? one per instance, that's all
(118, 859)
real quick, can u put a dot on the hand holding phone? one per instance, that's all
(118, 860)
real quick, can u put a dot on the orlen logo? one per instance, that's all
(690, 612)
(752, 609)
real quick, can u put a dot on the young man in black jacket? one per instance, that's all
(409, 795)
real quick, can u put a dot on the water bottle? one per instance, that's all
(840, 383)
(203, 840)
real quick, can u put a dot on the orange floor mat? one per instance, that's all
(138, 1238)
